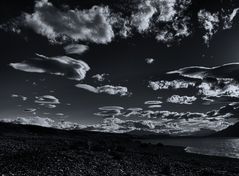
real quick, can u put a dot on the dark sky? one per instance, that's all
(45, 27)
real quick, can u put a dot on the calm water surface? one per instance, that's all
(226, 147)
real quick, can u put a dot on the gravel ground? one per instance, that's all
(99, 154)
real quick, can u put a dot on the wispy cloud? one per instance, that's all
(48, 101)
(23, 98)
(76, 49)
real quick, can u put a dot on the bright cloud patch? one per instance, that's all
(213, 90)
(210, 23)
(107, 89)
(141, 19)
(181, 99)
(60, 65)
(87, 25)
(175, 84)
(166, 9)
(167, 20)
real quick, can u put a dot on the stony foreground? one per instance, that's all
(33, 152)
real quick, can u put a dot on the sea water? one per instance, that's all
(226, 147)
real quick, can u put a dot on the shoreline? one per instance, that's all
(202, 145)
(36, 151)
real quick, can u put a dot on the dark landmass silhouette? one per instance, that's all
(33, 150)
(231, 131)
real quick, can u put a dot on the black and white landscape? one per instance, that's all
(126, 87)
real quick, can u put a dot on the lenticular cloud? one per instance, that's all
(59, 65)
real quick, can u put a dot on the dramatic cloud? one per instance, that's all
(178, 24)
(75, 49)
(210, 23)
(214, 82)
(175, 84)
(149, 60)
(167, 20)
(86, 25)
(141, 19)
(181, 99)
(229, 89)
(167, 123)
(107, 89)
(60, 65)
(166, 9)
